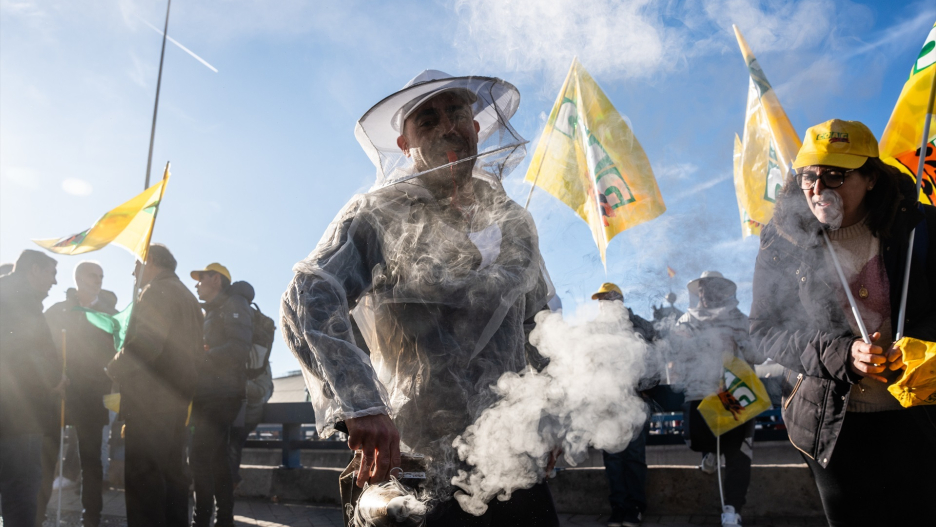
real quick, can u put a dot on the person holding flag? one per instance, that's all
(848, 213)
(711, 329)
(156, 371)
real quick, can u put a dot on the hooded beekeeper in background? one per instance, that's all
(442, 274)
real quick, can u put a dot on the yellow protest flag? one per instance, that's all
(129, 225)
(740, 398)
(767, 149)
(900, 142)
(917, 385)
(749, 227)
(589, 159)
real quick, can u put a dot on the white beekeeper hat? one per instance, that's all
(493, 102)
(715, 276)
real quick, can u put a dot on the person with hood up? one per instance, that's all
(873, 460)
(31, 384)
(221, 391)
(712, 327)
(443, 275)
(89, 350)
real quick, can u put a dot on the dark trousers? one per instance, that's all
(531, 507)
(627, 474)
(736, 445)
(239, 435)
(49, 455)
(156, 487)
(211, 460)
(20, 476)
(882, 471)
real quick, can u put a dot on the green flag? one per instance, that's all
(115, 324)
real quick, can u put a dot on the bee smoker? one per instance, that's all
(394, 503)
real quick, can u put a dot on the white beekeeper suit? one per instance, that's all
(441, 299)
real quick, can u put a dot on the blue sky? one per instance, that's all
(263, 152)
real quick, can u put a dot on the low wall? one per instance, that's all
(776, 490)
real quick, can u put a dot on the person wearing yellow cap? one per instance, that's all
(627, 470)
(856, 438)
(221, 390)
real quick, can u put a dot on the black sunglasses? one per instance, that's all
(830, 178)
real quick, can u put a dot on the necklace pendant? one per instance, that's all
(863, 292)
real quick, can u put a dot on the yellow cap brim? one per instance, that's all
(196, 274)
(849, 161)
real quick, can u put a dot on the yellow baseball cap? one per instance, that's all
(836, 143)
(215, 267)
(607, 287)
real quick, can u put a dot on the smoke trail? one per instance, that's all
(585, 396)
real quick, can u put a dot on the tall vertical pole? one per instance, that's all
(61, 456)
(162, 54)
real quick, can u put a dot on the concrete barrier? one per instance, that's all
(776, 490)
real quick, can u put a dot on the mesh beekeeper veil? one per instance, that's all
(493, 102)
(440, 295)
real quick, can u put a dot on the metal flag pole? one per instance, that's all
(61, 455)
(162, 55)
(848, 293)
(902, 316)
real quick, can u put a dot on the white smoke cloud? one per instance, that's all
(612, 39)
(585, 397)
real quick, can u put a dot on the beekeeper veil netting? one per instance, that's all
(493, 102)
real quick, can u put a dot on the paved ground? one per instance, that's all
(270, 514)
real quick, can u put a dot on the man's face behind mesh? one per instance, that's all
(441, 125)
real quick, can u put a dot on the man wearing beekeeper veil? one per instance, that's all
(442, 273)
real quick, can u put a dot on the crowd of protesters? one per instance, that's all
(187, 374)
(446, 275)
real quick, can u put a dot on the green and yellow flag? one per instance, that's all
(590, 160)
(130, 226)
(900, 142)
(764, 154)
(741, 397)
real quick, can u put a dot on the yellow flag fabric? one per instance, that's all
(742, 397)
(749, 227)
(917, 385)
(129, 225)
(590, 160)
(900, 142)
(766, 150)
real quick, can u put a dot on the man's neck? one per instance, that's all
(86, 298)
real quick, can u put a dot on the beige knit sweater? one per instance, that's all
(859, 252)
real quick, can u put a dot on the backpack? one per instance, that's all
(264, 331)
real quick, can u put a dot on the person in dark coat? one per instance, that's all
(31, 384)
(221, 392)
(856, 438)
(89, 350)
(156, 373)
(627, 470)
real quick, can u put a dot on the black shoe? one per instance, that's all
(632, 518)
(616, 519)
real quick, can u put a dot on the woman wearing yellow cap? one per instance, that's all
(874, 461)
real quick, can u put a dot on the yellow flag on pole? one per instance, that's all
(590, 160)
(129, 225)
(900, 142)
(766, 150)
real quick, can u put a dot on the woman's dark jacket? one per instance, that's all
(798, 321)
(228, 330)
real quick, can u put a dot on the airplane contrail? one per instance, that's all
(185, 49)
